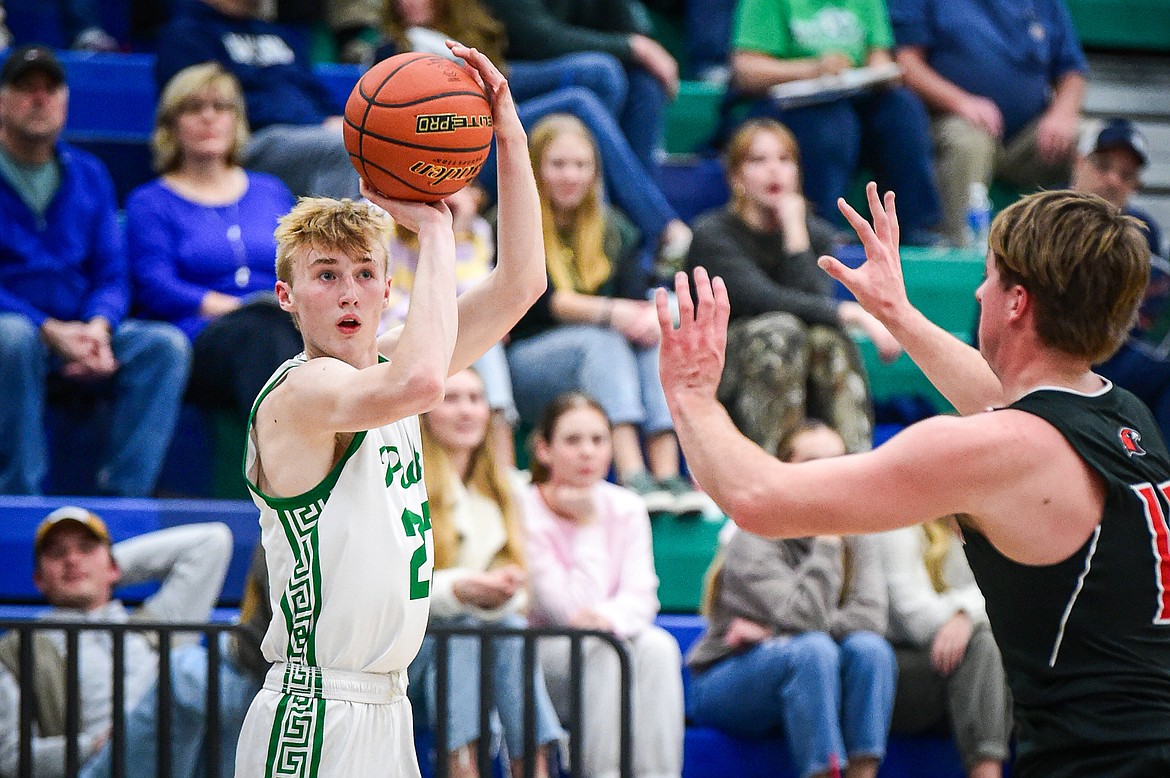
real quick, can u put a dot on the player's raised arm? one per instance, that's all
(955, 368)
(338, 294)
(938, 467)
(488, 311)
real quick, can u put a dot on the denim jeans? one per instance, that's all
(188, 720)
(154, 359)
(628, 183)
(508, 684)
(628, 93)
(833, 700)
(887, 130)
(497, 382)
(595, 360)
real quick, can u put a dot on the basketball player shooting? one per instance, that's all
(334, 464)
(1062, 487)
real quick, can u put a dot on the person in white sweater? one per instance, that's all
(479, 578)
(949, 668)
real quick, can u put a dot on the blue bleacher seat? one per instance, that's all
(693, 185)
(126, 518)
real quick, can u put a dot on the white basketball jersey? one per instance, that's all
(350, 560)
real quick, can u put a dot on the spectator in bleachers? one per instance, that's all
(885, 128)
(76, 570)
(593, 329)
(64, 294)
(794, 641)
(592, 567)
(1004, 83)
(355, 25)
(474, 258)
(480, 578)
(1109, 163)
(950, 674)
(296, 124)
(422, 25)
(201, 245)
(82, 20)
(606, 44)
(5, 35)
(788, 355)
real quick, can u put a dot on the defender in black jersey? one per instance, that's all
(1065, 490)
(1084, 641)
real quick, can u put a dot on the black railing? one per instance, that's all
(163, 635)
(576, 723)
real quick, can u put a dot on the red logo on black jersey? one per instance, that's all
(1130, 439)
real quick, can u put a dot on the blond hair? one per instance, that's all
(1084, 263)
(351, 227)
(940, 537)
(483, 478)
(740, 146)
(579, 264)
(177, 96)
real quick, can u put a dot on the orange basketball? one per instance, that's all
(417, 127)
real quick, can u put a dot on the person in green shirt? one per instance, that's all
(884, 129)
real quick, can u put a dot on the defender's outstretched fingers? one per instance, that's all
(665, 320)
(881, 224)
(686, 306)
(722, 303)
(704, 299)
(892, 214)
(869, 239)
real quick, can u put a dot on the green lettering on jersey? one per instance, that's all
(420, 525)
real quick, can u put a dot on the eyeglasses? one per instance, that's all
(198, 105)
(1124, 173)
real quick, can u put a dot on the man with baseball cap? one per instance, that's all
(1110, 158)
(76, 569)
(64, 294)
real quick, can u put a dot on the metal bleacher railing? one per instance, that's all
(166, 634)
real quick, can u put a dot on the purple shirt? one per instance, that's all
(180, 250)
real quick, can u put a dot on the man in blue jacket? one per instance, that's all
(296, 123)
(64, 294)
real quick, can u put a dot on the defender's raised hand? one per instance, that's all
(878, 283)
(691, 357)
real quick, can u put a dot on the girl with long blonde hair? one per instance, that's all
(480, 577)
(594, 330)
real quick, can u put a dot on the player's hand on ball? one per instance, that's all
(504, 115)
(411, 215)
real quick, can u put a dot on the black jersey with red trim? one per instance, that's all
(1086, 641)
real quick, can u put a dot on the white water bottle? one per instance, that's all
(978, 216)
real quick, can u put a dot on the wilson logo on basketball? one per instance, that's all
(440, 173)
(1130, 440)
(449, 122)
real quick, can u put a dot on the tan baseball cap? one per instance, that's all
(91, 521)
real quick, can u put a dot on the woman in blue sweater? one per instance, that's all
(200, 236)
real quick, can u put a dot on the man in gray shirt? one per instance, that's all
(76, 569)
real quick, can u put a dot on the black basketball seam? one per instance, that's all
(390, 75)
(463, 93)
(369, 106)
(406, 183)
(387, 139)
(413, 145)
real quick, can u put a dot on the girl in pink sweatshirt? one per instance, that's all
(591, 566)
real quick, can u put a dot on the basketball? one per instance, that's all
(417, 127)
